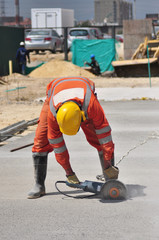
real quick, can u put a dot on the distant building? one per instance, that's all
(112, 11)
(11, 21)
(8, 20)
(154, 17)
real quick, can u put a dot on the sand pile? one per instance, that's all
(59, 68)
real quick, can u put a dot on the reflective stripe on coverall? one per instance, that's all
(96, 127)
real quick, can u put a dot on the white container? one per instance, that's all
(52, 18)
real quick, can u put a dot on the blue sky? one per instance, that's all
(84, 9)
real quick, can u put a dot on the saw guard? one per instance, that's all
(113, 190)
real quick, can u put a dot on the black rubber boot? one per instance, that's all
(40, 168)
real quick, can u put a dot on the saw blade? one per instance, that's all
(113, 190)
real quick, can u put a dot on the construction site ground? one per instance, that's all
(131, 107)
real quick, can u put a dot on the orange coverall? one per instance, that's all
(96, 127)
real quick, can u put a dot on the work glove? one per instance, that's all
(72, 179)
(111, 173)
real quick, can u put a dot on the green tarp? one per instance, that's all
(30, 69)
(104, 51)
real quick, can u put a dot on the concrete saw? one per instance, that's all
(110, 190)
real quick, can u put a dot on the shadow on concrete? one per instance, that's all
(78, 194)
(133, 191)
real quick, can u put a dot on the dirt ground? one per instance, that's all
(18, 93)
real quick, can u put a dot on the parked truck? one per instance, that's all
(56, 18)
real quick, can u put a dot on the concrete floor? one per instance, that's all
(135, 131)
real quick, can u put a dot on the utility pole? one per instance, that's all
(134, 9)
(17, 12)
(114, 11)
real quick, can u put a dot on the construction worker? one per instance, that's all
(95, 68)
(71, 103)
(21, 56)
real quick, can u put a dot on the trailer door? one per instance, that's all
(51, 19)
(40, 19)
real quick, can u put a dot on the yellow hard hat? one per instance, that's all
(69, 118)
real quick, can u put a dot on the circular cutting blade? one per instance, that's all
(113, 190)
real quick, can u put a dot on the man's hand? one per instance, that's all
(111, 173)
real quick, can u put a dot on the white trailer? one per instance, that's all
(52, 18)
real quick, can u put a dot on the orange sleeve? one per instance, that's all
(56, 140)
(102, 128)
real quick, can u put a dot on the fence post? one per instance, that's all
(10, 67)
(149, 70)
(65, 44)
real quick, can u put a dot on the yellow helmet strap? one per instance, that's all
(83, 116)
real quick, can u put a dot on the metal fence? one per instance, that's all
(10, 37)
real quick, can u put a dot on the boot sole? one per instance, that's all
(36, 196)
